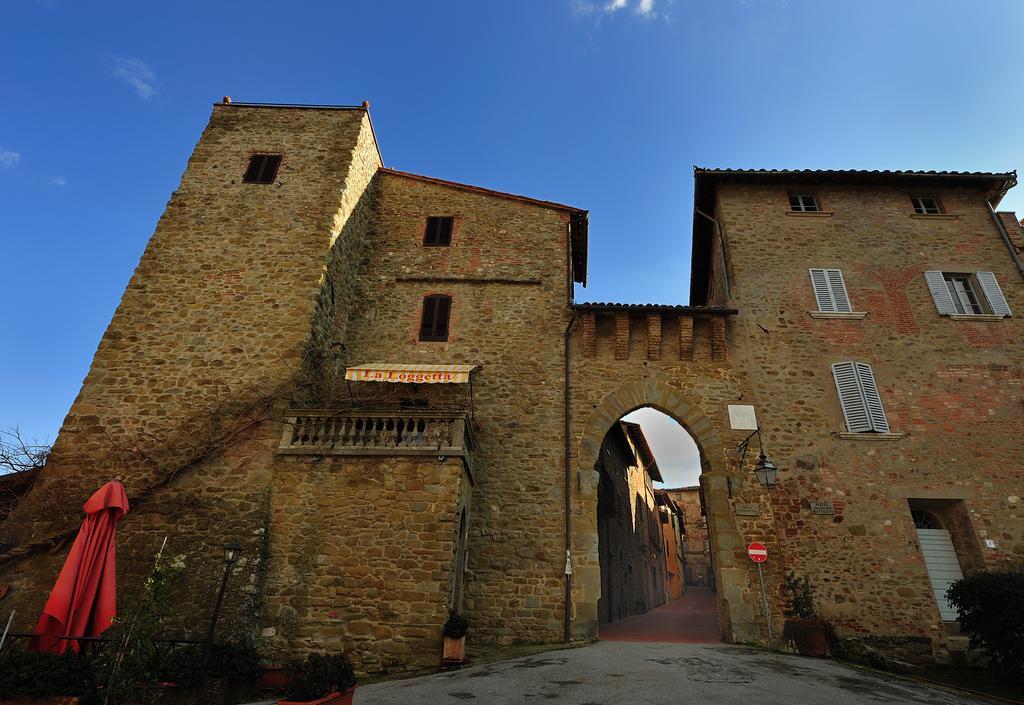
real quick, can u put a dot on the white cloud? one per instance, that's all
(674, 449)
(137, 74)
(614, 5)
(9, 158)
(645, 8)
(59, 181)
(582, 8)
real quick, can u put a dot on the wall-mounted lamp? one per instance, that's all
(764, 470)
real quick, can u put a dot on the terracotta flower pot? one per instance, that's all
(811, 639)
(273, 678)
(332, 699)
(454, 649)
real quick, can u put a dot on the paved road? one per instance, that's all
(615, 673)
(690, 620)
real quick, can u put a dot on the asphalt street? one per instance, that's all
(614, 673)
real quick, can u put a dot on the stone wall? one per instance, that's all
(697, 556)
(629, 534)
(616, 368)
(506, 270)
(200, 355)
(361, 558)
(952, 389)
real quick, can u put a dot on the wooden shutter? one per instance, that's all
(993, 293)
(819, 282)
(858, 396)
(940, 293)
(855, 411)
(434, 320)
(830, 291)
(874, 402)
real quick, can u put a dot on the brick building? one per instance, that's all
(696, 549)
(381, 385)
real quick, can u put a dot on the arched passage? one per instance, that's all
(736, 621)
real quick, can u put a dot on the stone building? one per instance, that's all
(672, 523)
(381, 385)
(635, 558)
(696, 548)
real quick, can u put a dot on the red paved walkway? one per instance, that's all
(692, 619)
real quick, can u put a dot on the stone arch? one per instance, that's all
(736, 621)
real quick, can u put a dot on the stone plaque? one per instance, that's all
(822, 507)
(742, 417)
(747, 509)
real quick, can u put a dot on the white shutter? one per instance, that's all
(855, 408)
(830, 291)
(838, 288)
(993, 293)
(874, 403)
(822, 293)
(940, 293)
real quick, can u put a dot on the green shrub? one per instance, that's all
(799, 597)
(35, 675)
(456, 627)
(991, 612)
(181, 665)
(318, 675)
(235, 660)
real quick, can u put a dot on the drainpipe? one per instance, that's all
(568, 485)
(1006, 238)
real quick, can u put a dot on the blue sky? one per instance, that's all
(604, 105)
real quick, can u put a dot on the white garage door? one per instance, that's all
(943, 567)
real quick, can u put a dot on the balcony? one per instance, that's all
(398, 432)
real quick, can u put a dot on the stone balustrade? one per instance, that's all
(355, 432)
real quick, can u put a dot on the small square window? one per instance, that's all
(803, 203)
(262, 169)
(439, 231)
(926, 205)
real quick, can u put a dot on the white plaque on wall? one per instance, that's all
(742, 417)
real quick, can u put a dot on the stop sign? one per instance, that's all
(757, 552)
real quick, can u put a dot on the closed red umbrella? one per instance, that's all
(84, 599)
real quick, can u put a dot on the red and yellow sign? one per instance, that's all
(410, 374)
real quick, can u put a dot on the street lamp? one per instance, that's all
(764, 470)
(231, 552)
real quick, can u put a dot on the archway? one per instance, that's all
(736, 620)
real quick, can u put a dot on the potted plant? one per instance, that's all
(322, 679)
(454, 632)
(803, 627)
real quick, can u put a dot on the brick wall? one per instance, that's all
(952, 388)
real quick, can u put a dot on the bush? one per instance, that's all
(318, 675)
(799, 597)
(991, 612)
(234, 660)
(456, 627)
(35, 675)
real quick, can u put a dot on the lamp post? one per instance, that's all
(231, 553)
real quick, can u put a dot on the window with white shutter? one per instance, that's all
(859, 399)
(830, 291)
(967, 294)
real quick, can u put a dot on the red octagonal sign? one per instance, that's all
(757, 552)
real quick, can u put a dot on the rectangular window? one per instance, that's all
(967, 294)
(434, 320)
(803, 204)
(830, 291)
(262, 169)
(926, 205)
(858, 396)
(439, 231)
